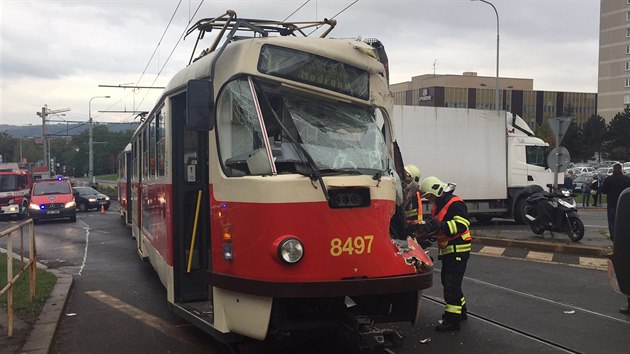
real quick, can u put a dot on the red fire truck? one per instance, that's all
(14, 185)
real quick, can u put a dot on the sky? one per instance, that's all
(57, 53)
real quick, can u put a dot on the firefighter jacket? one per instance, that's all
(454, 235)
(413, 209)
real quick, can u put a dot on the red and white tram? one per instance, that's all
(263, 183)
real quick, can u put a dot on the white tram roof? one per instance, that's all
(242, 57)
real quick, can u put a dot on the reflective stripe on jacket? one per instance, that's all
(414, 215)
(450, 244)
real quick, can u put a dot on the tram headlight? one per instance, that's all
(290, 250)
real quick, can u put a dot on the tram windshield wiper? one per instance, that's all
(315, 174)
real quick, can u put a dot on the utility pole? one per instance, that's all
(91, 142)
(43, 114)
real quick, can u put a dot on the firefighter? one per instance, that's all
(449, 220)
(411, 192)
(406, 203)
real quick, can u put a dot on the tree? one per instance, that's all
(7, 147)
(573, 141)
(594, 132)
(545, 133)
(618, 136)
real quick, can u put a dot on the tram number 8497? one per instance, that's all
(352, 245)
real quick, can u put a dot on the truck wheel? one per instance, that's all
(23, 214)
(520, 209)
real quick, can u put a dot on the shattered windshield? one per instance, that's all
(340, 137)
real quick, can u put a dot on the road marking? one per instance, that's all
(598, 263)
(492, 251)
(540, 256)
(135, 313)
(87, 242)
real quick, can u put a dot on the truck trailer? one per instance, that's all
(490, 155)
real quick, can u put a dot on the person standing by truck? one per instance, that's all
(449, 218)
(613, 186)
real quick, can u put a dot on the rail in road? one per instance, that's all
(514, 306)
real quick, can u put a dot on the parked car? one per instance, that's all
(607, 163)
(604, 171)
(583, 170)
(89, 198)
(52, 199)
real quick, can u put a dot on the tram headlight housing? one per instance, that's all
(290, 250)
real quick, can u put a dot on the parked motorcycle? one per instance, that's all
(553, 211)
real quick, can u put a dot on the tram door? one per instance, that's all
(191, 229)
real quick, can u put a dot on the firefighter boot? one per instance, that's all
(462, 317)
(626, 310)
(448, 323)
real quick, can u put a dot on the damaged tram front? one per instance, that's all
(263, 185)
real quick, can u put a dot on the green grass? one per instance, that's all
(22, 307)
(111, 177)
(578, 199)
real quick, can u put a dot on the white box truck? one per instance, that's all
(491, 156)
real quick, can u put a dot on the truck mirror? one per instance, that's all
(621, 246)
(200, 105)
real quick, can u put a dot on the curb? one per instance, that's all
(544, 246)
(40, 338)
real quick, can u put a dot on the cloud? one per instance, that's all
(59, 52)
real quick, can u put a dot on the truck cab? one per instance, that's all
(14, 186)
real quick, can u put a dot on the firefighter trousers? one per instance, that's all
(453, 269)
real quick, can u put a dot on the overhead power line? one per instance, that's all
(298, 9)
(160, 41)
(173, 50)
(337, 14)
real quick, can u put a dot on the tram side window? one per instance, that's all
(161, 145)
(134, 160)
(152, 155)
(145, 155)
(239, 132)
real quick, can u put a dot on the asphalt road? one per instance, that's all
(117, 303)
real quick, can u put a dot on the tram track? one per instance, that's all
(510, 328)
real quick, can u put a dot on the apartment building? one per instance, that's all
(478, 92)
(613, 85)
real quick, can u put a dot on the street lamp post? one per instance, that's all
(496, 93)
(91, 143)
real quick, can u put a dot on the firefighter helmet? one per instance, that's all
(432, 185)
(412, 173)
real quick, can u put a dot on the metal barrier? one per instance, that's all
(31, 265)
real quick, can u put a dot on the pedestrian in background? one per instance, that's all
(596, 190)
(586, 193)
(613, 186)
(568, 181)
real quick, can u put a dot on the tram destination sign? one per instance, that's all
(314, 70)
